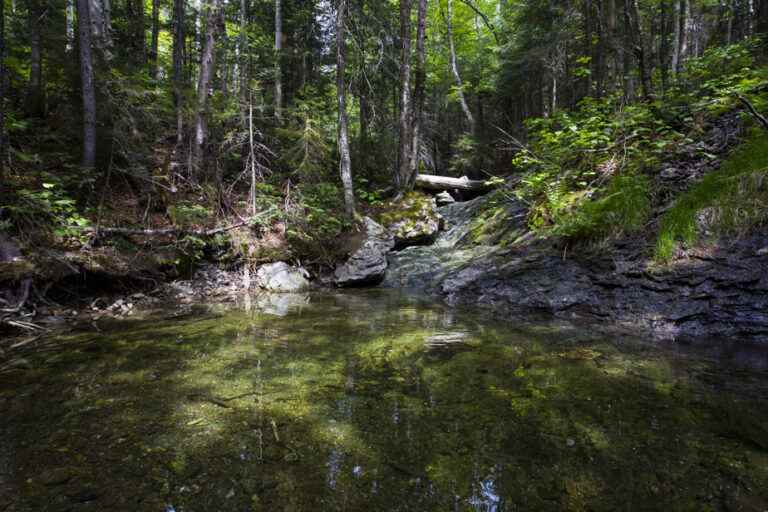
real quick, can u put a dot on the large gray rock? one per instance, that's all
(368, 264)
(414, 221)
(281, 277)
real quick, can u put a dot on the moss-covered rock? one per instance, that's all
(413, 220)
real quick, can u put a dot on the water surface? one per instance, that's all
(376, 400)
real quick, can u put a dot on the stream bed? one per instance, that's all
(379, 400)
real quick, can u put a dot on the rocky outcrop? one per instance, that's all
(367, 264)
(281, 277)
(714, 291)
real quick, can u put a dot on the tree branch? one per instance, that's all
(757, 115)
(487, 21)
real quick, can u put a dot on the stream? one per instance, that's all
(379, 400)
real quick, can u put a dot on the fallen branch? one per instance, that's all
(752, 110)
(176, 231)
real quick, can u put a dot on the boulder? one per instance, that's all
(368, 264)
(444, 198)
(281, 277)
(413, 221)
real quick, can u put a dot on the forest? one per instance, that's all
(383, 255)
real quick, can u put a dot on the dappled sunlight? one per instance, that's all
(397, 404)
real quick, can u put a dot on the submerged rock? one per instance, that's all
(281, 277)
(368, 264)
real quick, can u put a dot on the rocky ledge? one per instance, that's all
(719, 289)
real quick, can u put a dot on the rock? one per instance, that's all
(670, 173)
(281, 277)
(413, 221)
(368, 264)
(762, 252)
(444, 198)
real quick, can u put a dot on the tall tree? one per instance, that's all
(35, 101)
(638, 40)
(404, 155)
(2, 94)
(455, 70)
(155, 44)
(86, 83)
(345, 162)
(418, 93)
(278, 63)
(178, 67)
(213, 25)
(136, 22)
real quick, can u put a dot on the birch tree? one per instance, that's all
(345, 163)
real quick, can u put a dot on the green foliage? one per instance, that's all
(317, 222)
(185, 214)
(732, 200)
(464, 160)
(47, 209)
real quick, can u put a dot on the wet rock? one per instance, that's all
(368, 264)
(281, 277)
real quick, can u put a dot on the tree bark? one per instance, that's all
(345, 163)
(35, 104)
(136, 21)
(418, 94)
(455, 70)
(278, 57)
(243, 44)
(207, 68)
(637, 37)
(2, 95)
(178, 67)
(404, 154)
(155, 44)
(676, 13)
(86, 82)
(762, 18)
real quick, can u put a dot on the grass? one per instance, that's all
(732, 200)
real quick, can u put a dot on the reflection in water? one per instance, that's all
(379, 401)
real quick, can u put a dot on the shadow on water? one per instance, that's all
(379, 401)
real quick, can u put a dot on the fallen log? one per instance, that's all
(98, 231)
(432, 182)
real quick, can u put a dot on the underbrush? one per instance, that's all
(588, 174)
(732, 200)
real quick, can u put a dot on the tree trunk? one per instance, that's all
(35, 104)
(278, 57)
(101, 26)
(154, 50)
(207, 68)
(637, 37)
(762, 18)
(404, 154)
(2, 95)
(418, 95)
(241, 54)
(86, 83)
(345, 162)
(455, 70)
(676, 13)
(178, 67)
(136, 21)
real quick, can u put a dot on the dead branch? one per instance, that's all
(752, 110)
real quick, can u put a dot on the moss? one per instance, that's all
(411, 209)
(732, 200)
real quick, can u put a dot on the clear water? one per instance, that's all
(379, 401)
